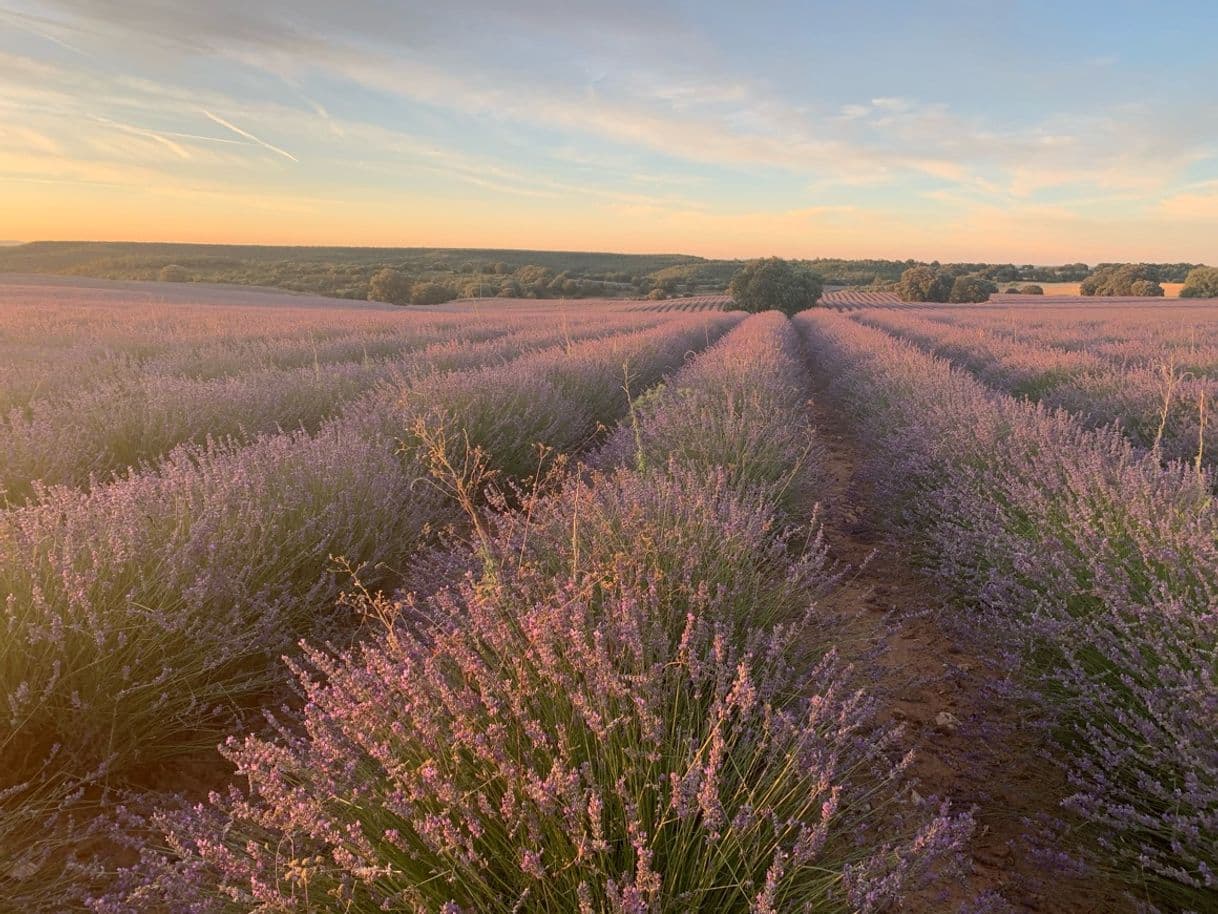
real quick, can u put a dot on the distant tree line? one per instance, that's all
(348, 272)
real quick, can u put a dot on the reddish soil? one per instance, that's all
(984, 757)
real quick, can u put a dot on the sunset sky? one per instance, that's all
(966, 130)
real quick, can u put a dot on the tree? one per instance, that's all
(1120, 279)
(777, 284)
(1031, 290)
(925, 284)
(389, 285)
(1202, 282)
(174, 273)
(971, 289)
(534, 280)
(431, 293)
(1145, 288)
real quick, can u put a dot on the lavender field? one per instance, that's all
(605, 606)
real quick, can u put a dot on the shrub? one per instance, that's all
(389, 285)
(477, 289)
(431, 293)
(1202, 282)
(1119, 279)
(657, 295)
(174, 273)
(1146, 288)
(773, 283)
(1031, 290)
(535, 280)
(971, 289)
(925, 284)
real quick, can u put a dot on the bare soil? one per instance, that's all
(971, 746)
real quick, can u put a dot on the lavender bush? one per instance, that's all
(140, 615)
(736, 407)
(605, 715)
(110, 426)
(1155, 401)
(1094, 567)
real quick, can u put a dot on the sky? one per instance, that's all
(1029, 132)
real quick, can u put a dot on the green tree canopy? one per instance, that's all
(431, 293)
(925, 283)
(1145, 288)
(1121, 279)
(1202, 282)
(971, 289)
(389, 285)
(775, 284)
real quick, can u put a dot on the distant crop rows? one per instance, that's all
(47, 350)
(141, 415)
(1185, 336)
(1156, 384)
(852, 298)
(1090, 566)
(692, 303)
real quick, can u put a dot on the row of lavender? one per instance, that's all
(1124, 336)
(107, 427)
(691, 303)
(1091, 568)
(50, 349)
(625, 703)
(1155, 403)
(143, 615)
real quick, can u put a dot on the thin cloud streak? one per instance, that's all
(249, 136)
(615, 115)
(176, 148)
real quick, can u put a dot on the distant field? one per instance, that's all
(853, 298)
(1170, 289)
(1056, 295)
(52, 290)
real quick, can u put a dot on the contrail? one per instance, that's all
(249, 136)
(176, 148)
(208, 139)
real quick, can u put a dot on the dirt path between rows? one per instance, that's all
(971, 746)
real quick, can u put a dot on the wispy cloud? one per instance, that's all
(176, 148)
(249, 136)
(617, 112)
